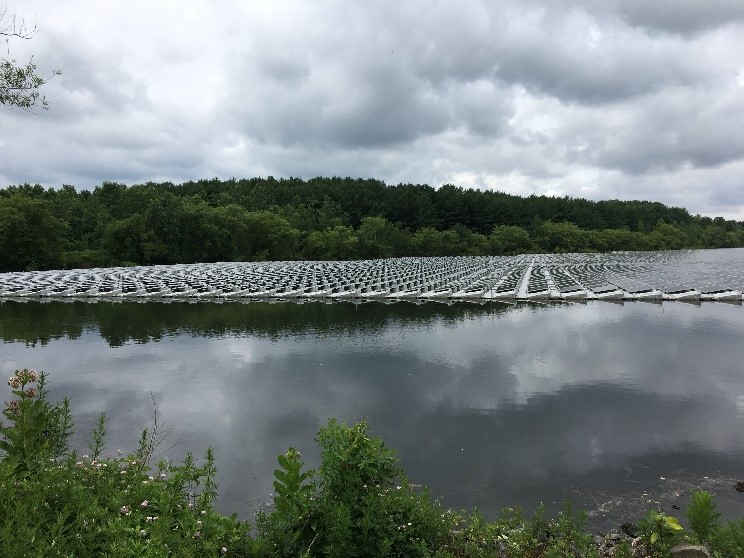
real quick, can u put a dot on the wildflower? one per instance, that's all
(152, 517)
(197, 534)
(143, 533)
(15, 382)
(223, 550)
(204, 512)
(33, 375)
(12, 406)
(31, 392)
(199, 523)
(144, 504)
(162, 475)
(125, 510)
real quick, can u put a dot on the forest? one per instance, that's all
(323, 219)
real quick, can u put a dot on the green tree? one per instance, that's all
(268, 237)
(338, 243)
(19, 83)
(508, 240)
(130, 241)
(561, 237)
(428, 242)
(31, 237)
(376, 238)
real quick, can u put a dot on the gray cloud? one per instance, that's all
(681, 16)
(588, 99)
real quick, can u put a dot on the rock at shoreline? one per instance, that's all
(689, 551)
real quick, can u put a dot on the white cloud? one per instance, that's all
(604, 100)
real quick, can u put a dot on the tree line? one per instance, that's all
(323, 219)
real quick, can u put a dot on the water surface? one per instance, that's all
(489, 405)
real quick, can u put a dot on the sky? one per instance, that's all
(608, 99)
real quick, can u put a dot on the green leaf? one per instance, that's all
(672, 523)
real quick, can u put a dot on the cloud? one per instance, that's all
(586, 99)
(681, 16)
(512, 398)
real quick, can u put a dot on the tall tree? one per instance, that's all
(19, 83)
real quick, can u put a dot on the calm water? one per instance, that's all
(489, 405)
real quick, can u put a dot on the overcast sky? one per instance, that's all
(625, 99)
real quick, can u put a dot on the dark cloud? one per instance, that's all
(681, 16)
(588, 99)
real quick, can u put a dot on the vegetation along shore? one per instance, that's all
(358, 502)
(323, 219)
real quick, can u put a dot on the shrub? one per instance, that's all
(702, 515)
(357, 504)
(54, 503)
(38, 430)
(660, 531)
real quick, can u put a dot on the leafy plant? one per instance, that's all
(728, 539)
(287, 528)
(702, 515)
(96, 505)
(358, 503)
(661, 531)
(37, 430)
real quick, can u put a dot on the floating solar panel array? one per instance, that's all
(683, 275)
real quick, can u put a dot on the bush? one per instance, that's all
(357, 504)
(54, 503)
(702, 515)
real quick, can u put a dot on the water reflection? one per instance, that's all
(489, 405)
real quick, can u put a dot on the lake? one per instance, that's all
(615, 406)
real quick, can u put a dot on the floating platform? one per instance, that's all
(686, 276)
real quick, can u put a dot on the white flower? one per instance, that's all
(223, 550)
(144, 504)
(125, 510)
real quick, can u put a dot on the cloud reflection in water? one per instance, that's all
(489, 406)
